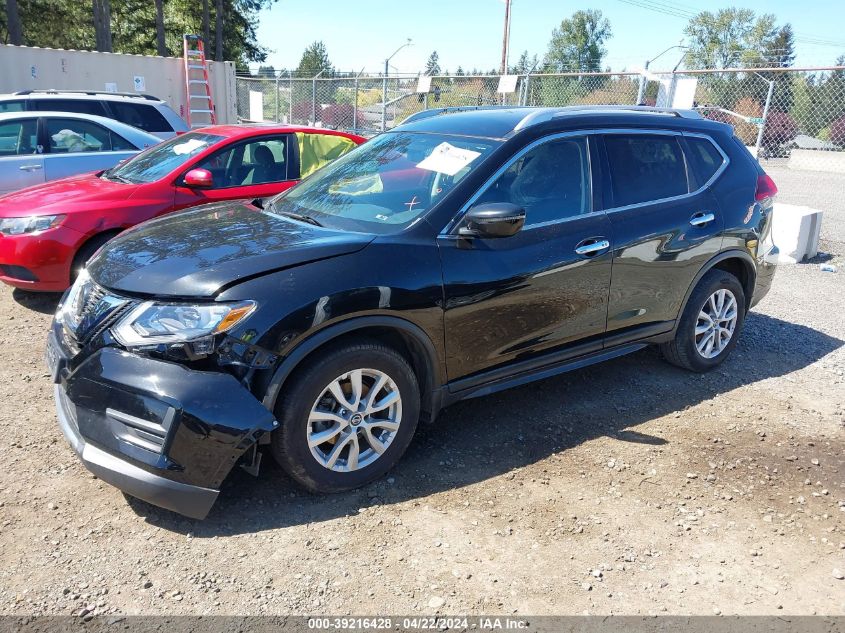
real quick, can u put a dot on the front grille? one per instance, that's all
(96, 311)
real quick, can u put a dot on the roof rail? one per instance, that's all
(53, 91)
(427, 114)
(542, 115)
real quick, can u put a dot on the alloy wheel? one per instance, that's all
(354, 420)
(716, 323)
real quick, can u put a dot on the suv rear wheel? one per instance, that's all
(710, 324)
(346, 417)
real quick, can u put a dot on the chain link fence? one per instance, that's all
(792, 120)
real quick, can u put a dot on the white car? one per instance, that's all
(143, 111)
(39, 146)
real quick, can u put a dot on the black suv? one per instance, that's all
(464, 252)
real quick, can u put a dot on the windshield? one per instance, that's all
(158, 161)
(385, 184)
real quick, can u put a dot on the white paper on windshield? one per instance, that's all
(188, 146)
(448, 159)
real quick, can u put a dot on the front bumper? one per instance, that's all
(192, 501)
(155, 429)
(46, 257)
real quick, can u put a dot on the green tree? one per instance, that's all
(315, 58)
(71, 24)
(432, 66)
(730, 38)
(578, 44)
(524, 64)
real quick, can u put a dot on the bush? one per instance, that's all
(339, 116)
(302, 111)
(837, 132)
(780, 128)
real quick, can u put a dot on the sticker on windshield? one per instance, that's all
(448, 159)
(189, 146)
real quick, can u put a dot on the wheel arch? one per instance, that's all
(108, 233)
(408, 338)
(738, 263)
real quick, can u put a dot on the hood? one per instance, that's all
(63, 195)
(198, 252)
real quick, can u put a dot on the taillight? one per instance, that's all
(766, 187)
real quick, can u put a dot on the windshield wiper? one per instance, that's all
(272, 208)
(108, 175)
(301, 217)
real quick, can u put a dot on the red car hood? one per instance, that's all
(63, 195)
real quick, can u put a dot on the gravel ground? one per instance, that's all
(627, 488)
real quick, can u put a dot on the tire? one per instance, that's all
(86, 252)
(309, 392)
(684, 350)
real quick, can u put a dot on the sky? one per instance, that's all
(359, 34)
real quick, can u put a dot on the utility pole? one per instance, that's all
(506, 37)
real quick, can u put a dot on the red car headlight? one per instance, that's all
(31, 224)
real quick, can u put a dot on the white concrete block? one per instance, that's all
(795, 231)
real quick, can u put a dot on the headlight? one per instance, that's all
(31, 224)
(68, 311)
(154, 323)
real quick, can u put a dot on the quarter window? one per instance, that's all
(255, 163)
(18, 138)
(551, 182)
(142, 116)
(11, 106)
(704, 156)
(71, 136)
(645, 167)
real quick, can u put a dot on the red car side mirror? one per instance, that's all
(199, 179)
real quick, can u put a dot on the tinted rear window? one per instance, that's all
(705, 158)
(142, 116)
(645, 167)
(77, 106)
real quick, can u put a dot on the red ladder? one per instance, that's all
(197, 88)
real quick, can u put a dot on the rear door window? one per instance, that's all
(645, 167)
(77, 106)
(18, 138)
(72, 136)
(140, 115)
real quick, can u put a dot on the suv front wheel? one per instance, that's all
(710, 324)
(346, 417)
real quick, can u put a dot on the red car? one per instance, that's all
(49, 231)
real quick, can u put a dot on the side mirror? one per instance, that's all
(199, 179)
(493, 219)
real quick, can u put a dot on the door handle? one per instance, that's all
(702, 218)
(30, 167)
(592, 246)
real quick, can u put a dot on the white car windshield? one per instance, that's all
(158, 161)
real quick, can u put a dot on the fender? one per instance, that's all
(730, 254)
(433, 378)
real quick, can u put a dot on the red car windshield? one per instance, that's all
(158, 161)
